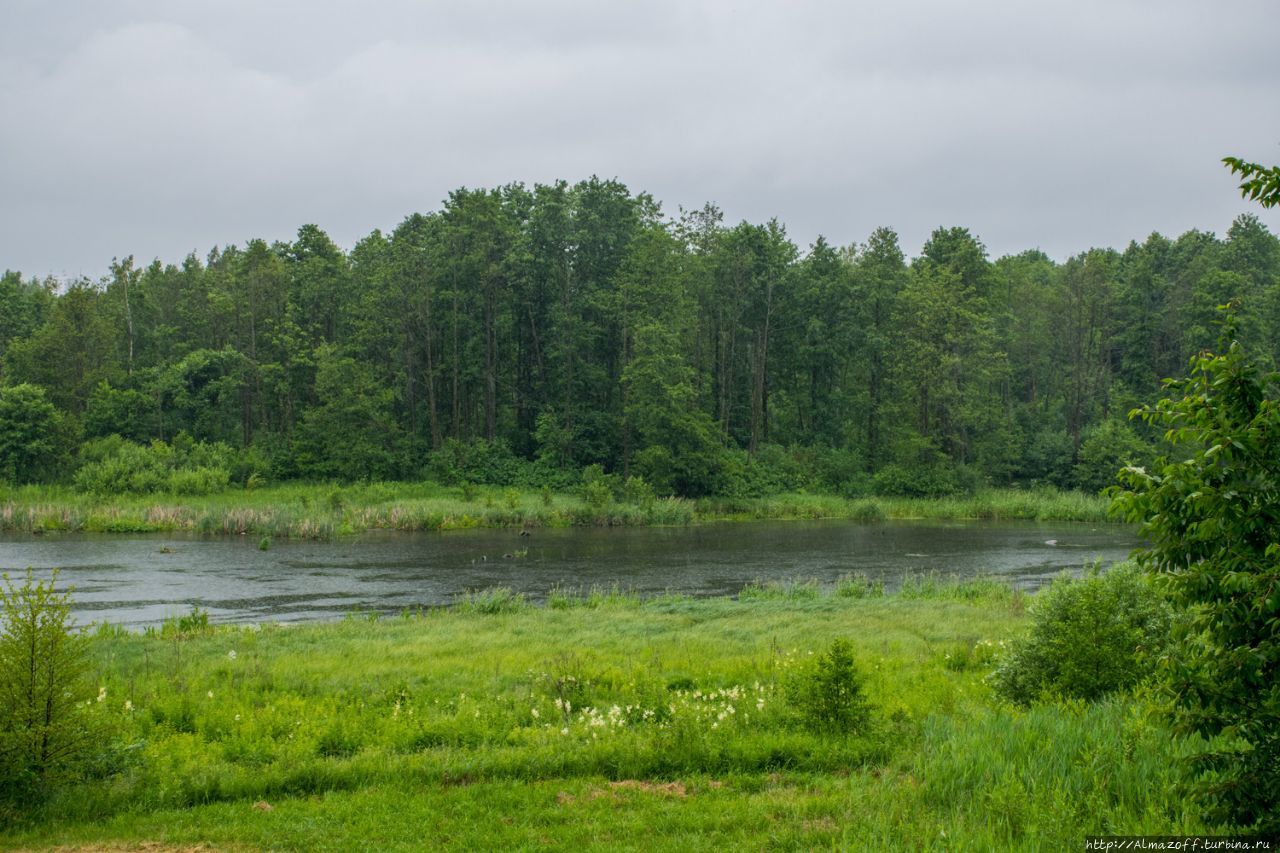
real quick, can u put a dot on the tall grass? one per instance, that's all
(605, 720)
(321, 511)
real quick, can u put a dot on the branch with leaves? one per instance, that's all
(1258, 183)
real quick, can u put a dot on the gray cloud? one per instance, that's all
(158, 128)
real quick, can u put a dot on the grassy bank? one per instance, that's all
(324, 511)
(606, 722)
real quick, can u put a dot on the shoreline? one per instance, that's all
(325, 511)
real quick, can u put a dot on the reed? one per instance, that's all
(325, 510)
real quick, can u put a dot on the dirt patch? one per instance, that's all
(138, 847)
(677, 790)
(666, 789)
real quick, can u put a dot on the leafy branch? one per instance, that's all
(1258, 183)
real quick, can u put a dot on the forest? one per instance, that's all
(520, 335)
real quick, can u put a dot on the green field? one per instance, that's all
(605, 722)
(312, 511)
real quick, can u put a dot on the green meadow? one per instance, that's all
(319, 511)
(601, 721)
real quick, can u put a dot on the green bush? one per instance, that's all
(1210, 513)
(112, 466)
(598, 488)
(47, 730)
(1089, 637)
(1105, 450)
(636, 490)
(923, 481)
(828, 695)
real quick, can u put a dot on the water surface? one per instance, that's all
(137, 580)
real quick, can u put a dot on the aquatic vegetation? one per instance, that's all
(319, 511)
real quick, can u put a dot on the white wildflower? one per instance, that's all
(231, 655)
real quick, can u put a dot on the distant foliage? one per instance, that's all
(1107, 448)
(33, 435)
(519, 334)
(1090, 636)
(185, 467)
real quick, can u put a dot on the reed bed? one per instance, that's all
(322, 511)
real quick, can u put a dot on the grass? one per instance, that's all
(605, 721)
(319, 511)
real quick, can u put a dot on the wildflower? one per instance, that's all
(210, 694)
(534, 712)
(102, 693)
(237, 718)
(565, 730)
(231, 655)
(128, 706)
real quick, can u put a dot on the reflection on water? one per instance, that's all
(138, 580)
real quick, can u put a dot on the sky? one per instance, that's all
(160, 127)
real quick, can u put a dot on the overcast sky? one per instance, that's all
(158, 127)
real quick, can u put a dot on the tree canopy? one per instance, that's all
(570, 325)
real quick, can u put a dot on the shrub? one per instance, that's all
(185, 467)
(1089, 637)
(637, 491)
(1105, 450)
(1211, 516)
(598, 488)
(46, 729)
(486, 462)
(829, 695)
(934, 480)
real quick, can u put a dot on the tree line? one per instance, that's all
(521, 334)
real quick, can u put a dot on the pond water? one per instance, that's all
(137, 580)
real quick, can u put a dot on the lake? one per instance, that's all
(138, 580)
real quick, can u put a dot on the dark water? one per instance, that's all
(139, 580)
